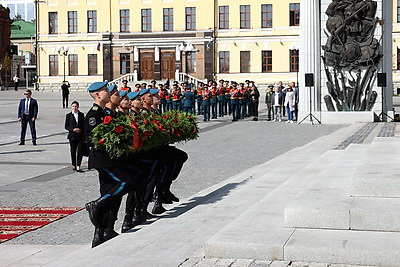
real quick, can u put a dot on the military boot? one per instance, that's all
(109, 232)
(127, 224)
(94, 208)
(158, 208)
(98, 237)
(145, 213)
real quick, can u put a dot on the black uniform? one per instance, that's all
(115, 177)
(171, 160)
(136, 201)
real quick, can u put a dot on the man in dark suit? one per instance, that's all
(27, 113)
(65, 93)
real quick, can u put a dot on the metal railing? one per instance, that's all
(184, 77)
(179, 76)
(130, 77)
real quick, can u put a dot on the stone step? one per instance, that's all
(375, 214)
(329, 204)
(325, 203)
(379, 174)
(344, 247)
(259, 232)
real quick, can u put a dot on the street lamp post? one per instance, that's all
(37, 62)
(64, 54)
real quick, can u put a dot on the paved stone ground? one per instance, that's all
(41, 176)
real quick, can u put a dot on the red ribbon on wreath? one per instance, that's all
(135, 141)
(160, 127)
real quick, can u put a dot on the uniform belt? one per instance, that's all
(214, 96)
(234, 97)
(175, 99)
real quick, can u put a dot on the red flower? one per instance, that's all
(107, 119)
(144, 135)
(194, 130)
(119, 129)
(165, 117)
(102, 141)
(175, 121)
(154, 117)
(146, 121)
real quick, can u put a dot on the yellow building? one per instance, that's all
(167, 39)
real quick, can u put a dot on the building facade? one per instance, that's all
(156, 39)
(22, 41)
(5, 25)
(92, 40)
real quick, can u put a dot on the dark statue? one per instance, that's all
(351, 54)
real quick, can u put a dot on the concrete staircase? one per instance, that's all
(310, 204)
(342, 207)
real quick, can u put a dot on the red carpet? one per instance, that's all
(16, 221)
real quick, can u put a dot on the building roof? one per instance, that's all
(22, 29)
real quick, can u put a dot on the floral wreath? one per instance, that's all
(127, 134)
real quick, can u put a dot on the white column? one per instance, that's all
(177, 54)
(157, 53)
(135, 53)
(309, 55)
(387, 15)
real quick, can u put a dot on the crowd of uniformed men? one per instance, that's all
(213, 99)
(147, 176)
(209, 99)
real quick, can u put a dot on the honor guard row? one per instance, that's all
(143, 176)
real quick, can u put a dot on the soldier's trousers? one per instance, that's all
(235, 111)
(214, 110)
(221, 108)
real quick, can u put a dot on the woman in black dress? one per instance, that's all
(74, 124)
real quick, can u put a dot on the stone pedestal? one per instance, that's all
(313, 22)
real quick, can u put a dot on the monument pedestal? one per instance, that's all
(312, 36)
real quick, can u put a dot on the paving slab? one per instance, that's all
(19, 255)
(325, 203)
(375, 214)
(344, 247)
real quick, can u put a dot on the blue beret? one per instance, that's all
(153, 91)
(97, 86)
(112, 87)
(133, 95)
(144, 91)
(123, 93)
